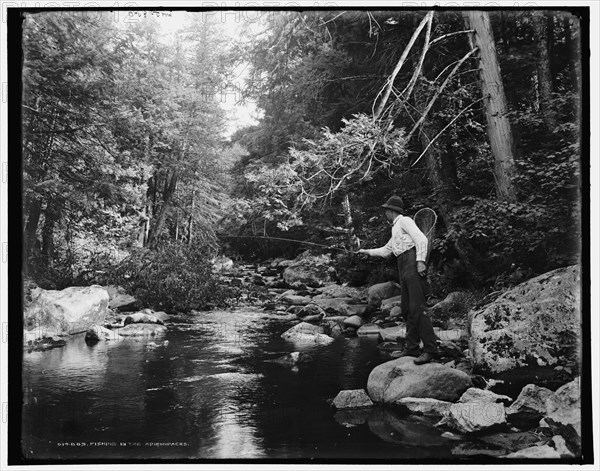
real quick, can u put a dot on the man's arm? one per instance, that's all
(384, 251)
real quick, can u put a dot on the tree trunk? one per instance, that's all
(33, 219)
(51, 217)
(170, 186)
(573, 42)
(498, 126)
(544, 74)
(352, 240)
(443, 189)
(191, 220)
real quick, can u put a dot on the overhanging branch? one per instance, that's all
(390, 81)
(438, 92)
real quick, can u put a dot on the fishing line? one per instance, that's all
(290, 240)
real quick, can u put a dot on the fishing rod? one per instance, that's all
(291, 240)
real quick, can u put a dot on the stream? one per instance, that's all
(207, 390)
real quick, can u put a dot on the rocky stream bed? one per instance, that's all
(506, 384)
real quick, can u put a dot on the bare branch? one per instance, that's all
(332, 19)
(438, 92)
(417, 71)
(391, 78)
(446, 127)
(446, 36)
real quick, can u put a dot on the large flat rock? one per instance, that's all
(68, 311)
(396, 379)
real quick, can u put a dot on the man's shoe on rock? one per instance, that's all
(425, 357)
(409, 353)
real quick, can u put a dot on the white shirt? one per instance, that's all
(405, 236)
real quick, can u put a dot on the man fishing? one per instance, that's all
(409, 245)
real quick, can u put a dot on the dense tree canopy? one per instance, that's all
(124, 151)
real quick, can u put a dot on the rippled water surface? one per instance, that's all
(208, 390)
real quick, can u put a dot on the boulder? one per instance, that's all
(337, 306)
(425, 406)
(310, 270)
(529, 324)
(306, 333)
(354, 321)
(377, 293)
(142, 318)
(69, 311)
(535, 452)
(42, 344)
(97, 333)
(313, 319)
(335, 330)
(142, 330)
(222, 263)
(388, 304)
(340, 291)
(529, 407)
(119, 299)
(396, 311)
(392, 334)
(483, 395)
(469, 417)
(368, 330)
(393, 380)
(310, 310)
(282, 263)
(564, 406)
(161, 315)
(355, 309)
(352, 399)
(297, 285)
(295, 300)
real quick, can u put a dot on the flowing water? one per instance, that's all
(207, 390)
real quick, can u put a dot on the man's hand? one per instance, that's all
(363, 251)
(421, 268)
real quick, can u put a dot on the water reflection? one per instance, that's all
(207, 393)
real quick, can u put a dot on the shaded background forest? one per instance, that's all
(130, 177)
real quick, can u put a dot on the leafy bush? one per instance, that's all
(175, 277)
(494, 238)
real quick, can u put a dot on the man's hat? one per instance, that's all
(395, 203)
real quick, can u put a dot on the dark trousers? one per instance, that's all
(414, 287)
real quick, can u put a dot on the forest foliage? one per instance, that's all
(430, 145)
(126, 164)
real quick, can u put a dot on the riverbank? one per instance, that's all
(537, 415)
